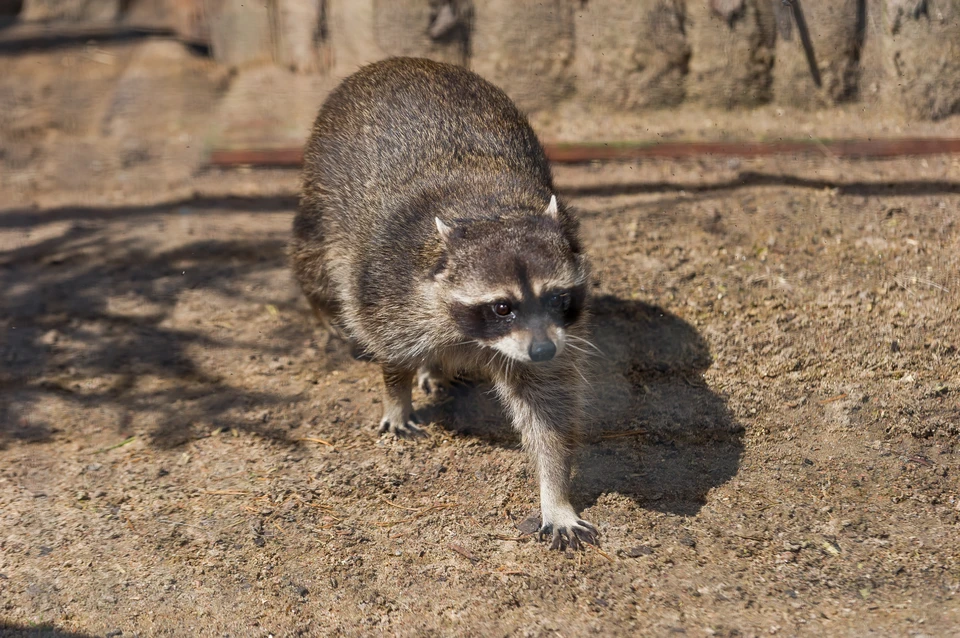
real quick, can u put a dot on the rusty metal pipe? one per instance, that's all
(576, 153)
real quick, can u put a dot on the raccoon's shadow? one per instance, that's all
(655, 431)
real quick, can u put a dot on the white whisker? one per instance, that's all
(587, 342)
(583, 350)
(585, 380)
(464, 343)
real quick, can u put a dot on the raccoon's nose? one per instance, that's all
(542, 350)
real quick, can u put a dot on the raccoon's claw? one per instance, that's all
(402, 428)
(568, 536)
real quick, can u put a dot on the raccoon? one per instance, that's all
(430, 235)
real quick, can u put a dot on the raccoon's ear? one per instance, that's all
(552, 208)
(446, 231)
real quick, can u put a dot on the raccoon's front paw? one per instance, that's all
(566, 529)
(403, 427)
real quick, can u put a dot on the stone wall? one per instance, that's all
(632, 54)
(836, 31)
(732, 52)
(613, 54)
(920, 49)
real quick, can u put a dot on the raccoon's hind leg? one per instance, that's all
(325, 315)
(431, 379)
(398, 417)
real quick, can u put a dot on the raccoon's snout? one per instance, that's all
(532, 346)
(542, 350)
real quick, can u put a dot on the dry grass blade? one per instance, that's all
(400, 507)
(314, 439)
(747, 537)
(621, 435)
(503, 571)
(417, 512)
(439, 506)
(507, 537)
(318, 506)
(600, 551)
(116, 445)
(833, 398)
(463, 551)
(226, 492)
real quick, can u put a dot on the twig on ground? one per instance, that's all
(620, 435)
(116, 445)
(314, 439)
(506, 537)
(463, 551)
(503, 571)
(401, 507)
(599, 551)
(417, 513)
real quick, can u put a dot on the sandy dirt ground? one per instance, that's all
(771, 447)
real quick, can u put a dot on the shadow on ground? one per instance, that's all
(659, 434)
(22, 217)
(27, 217)
(38, 631)
(748, 179)
(90, 328)
(656, 432)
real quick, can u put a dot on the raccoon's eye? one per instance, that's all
(559, 301)
(502, 308)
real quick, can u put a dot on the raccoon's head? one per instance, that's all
(517, 285)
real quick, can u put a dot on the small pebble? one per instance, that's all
(530, 524)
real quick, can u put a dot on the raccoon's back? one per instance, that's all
(397, 143)
(403, 125)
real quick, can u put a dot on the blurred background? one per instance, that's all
(131, 95)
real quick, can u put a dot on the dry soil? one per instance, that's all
(771, 448)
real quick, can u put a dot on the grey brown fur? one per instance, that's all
(429, 234)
